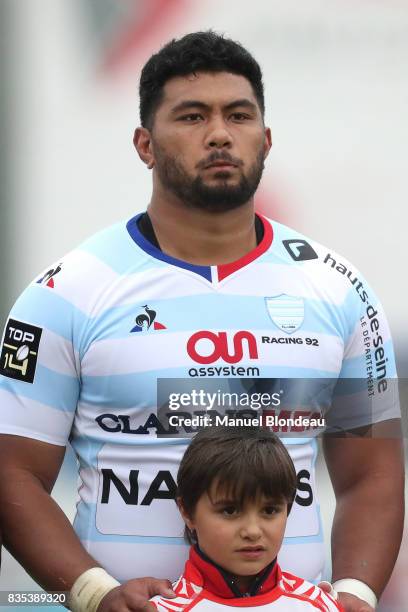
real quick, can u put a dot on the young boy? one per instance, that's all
(236, 487)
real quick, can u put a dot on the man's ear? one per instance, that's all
(186, 518)
(143, 144)
(267, 142)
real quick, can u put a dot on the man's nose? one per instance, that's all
(218, 135)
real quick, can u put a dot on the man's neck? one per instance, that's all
(200, 237)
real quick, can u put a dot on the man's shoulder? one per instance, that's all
(113, 247)
(99, 266)
(297, 248)
(319, 265)
(110, 246)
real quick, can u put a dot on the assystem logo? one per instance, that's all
(207, 347)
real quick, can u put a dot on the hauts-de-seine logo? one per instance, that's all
(286, 311)
(147, 320)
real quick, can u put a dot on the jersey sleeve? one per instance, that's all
(39, 369)
(367, 388)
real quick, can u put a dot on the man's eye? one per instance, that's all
(191, 117)
(239, 116)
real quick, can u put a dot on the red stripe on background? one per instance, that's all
(141, 28)
(227, 269)
(275, 203)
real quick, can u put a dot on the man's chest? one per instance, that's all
(167, 354)
(213, 334)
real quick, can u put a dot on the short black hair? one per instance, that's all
(244, 462)
(198, 51)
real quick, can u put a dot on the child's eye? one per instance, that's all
(229, 510)
(272, 509)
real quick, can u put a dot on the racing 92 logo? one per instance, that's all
(207, 347)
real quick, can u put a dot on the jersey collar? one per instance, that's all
(211, 273)
(203, 572)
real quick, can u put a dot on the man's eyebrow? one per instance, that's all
(241, 102)
(189, 104)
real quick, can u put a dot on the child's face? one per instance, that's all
(242, 540)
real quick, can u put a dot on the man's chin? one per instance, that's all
(218, 204)
(222, 175)
(220, 181)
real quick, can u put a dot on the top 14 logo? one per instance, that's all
(19, 352)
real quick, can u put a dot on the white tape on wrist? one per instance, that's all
(89, 589)
(358, 588)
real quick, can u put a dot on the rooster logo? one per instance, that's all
(145, 320)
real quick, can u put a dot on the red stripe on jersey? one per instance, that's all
(227, 269)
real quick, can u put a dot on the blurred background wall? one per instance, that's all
(337, 97)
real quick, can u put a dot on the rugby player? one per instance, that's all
(201, 289)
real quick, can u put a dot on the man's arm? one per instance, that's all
(37, 532)
(367, 474)
(35, 529)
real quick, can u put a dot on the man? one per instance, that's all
(198, 289)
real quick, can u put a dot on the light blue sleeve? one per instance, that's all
(39, 370)
(367, 390)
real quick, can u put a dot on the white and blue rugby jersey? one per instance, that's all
(95, 343)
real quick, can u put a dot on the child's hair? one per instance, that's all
(243, 462)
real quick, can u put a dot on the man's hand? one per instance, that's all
(134, 595)
(351, 603)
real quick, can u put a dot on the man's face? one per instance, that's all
(208, 140)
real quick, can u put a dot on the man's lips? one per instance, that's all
(221, 164)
